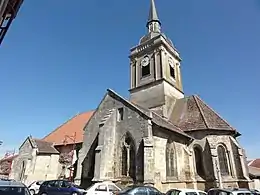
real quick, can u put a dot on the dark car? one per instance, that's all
(60, 187)
(9, 187)
(140, 190)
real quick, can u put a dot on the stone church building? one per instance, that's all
(160, 136)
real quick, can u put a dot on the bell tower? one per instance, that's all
(155, 69)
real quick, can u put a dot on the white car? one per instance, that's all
(103, 188)
(179, 191)
(34, 187)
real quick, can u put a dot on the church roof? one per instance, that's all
(192, 113)
(155, 118)
(69, 129)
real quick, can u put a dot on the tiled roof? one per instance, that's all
(66, 131)
(255, 163)
(254, 171)
(45, 147)
(192, 113)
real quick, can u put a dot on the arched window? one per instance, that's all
(199, 161)
(222, 159)
(128, 157)
(171, 165)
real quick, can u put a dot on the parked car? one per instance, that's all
(234, 191)
(185, 192)
(9, 187)
(34, 187)
(140, 190)
(60, 187)
(255, 192)
(103, 188)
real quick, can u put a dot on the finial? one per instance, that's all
(153, 23)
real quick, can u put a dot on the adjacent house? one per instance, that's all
(56, 152)
(8, 12)
(5, 165)
(36, 160)
(254, 172)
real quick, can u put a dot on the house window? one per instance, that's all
(170, 161)
(145, 66)
(199, 161)
(120, 114)
(223, 161)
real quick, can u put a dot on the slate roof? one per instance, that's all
(45, 147)
(192, 113)
(67, 130)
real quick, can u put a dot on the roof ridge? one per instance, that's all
(168, 121)
(65, 123)
(215, 112)
(200, 110)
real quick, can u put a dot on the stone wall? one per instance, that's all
(111, 131)
(23, 163)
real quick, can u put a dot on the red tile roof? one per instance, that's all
(255, 163)
(66, 132)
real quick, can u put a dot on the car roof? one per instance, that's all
(232, 190)
(187, 190)
(11, 184)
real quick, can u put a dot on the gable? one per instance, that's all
(112, 100)
(27, 145)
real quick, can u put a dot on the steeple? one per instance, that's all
(153, 23)
(156, 80)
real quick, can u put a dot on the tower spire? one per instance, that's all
(153, 23)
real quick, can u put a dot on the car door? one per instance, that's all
(112, 189)
(64, 188)
(52, 188)
(101, 189)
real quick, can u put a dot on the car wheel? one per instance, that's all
(74, 193)
(43, 193)
(32, 192)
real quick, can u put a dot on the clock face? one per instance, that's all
(145, 61)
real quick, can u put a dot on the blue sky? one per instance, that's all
(59, 58)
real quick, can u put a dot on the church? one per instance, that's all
(159, 136)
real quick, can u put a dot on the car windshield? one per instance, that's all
(9, 190)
